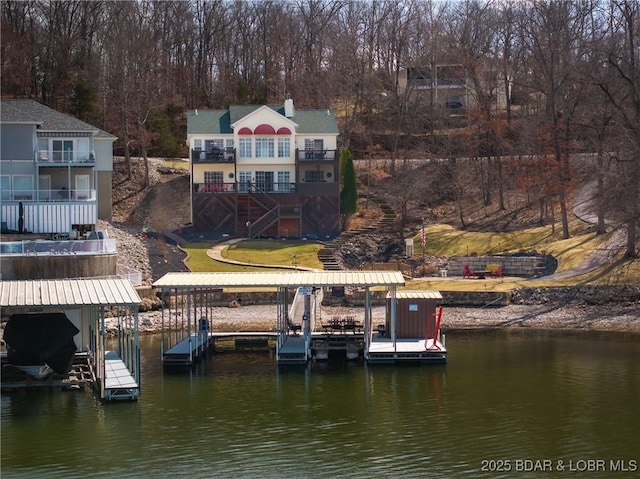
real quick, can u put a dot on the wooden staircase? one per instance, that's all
(327, 254)
(259, 226)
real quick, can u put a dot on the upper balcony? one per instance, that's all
(216, 155)
(305, 156)
(66, 157)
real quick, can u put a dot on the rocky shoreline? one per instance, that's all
(620, 318)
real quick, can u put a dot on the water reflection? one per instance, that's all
(510, 395)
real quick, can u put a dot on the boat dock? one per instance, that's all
(411, 331)
(80, 307)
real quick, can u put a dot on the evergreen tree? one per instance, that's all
(349, 192)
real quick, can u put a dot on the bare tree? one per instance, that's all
(553, 33)
(621, 86)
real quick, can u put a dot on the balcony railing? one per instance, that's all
(44, 196)
(316, 155)
(57, 248)
(242, 187)
(217, 155)
(66, 157)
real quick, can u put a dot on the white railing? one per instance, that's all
(65, 156)
(57, 248)
(48, 195)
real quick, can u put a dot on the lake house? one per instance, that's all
(264, 171)
(55, 171)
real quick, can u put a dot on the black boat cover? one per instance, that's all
(43, 338)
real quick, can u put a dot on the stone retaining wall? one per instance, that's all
(513, 265)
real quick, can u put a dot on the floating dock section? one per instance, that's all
(411, 332)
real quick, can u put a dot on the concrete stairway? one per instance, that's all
(327, 254)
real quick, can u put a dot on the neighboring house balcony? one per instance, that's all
(48, 211)
(440, 83)
(65, 157)
(48, 196)
(216, 155)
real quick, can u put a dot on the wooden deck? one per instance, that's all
(383, 350)
(119, 383)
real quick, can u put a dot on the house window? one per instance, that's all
(264, 148)
(264, 180)
(63, 150)
(23, 187)
(210, 145)
(454, 101)
(314, 149)
(5, 188)
(244, 177)
(245, 148)
(284, 181)
(197, 144)
(284, 147)
(83, 184)
(216, 177)
(44, 187)
(313, 176)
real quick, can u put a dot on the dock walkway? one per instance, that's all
(119, 383)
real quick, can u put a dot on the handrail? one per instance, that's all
(257, 227)
(260, 196)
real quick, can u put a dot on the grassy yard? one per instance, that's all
(288, 254)
(443, 240)
(285, 253)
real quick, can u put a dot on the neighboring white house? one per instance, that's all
(55, 170)
(261, 170)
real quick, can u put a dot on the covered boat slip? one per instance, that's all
(191, 298)
(115, 374)
(188, 299)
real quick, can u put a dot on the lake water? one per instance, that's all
(519, 404)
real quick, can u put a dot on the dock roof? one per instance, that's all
(68, 292)
(418, 294)
(282, 279)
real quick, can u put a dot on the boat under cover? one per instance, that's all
(41, 339)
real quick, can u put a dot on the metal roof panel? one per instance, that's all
(417, 294)
(282, 279)
(68, 292)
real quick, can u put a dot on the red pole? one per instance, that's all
(436, 333)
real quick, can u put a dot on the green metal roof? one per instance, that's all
(216, 122)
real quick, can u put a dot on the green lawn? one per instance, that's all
(443, 240)
(266, 252)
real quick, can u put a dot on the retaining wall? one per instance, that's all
(525, 266)
(57, 267)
